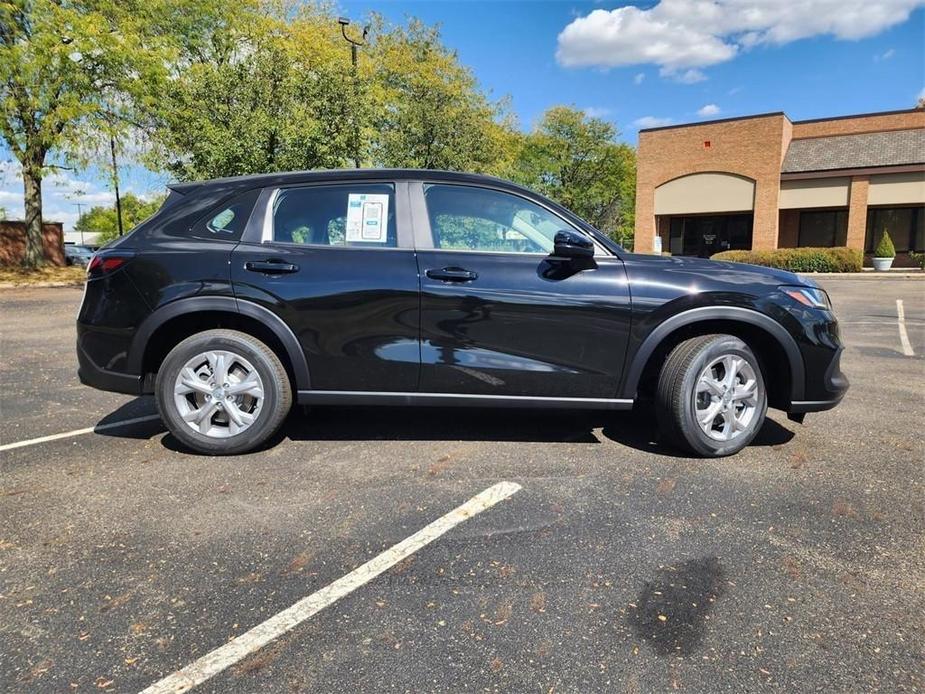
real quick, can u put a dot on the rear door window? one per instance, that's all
(343, 215)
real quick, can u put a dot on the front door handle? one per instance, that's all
(270, 267)
(452, 274)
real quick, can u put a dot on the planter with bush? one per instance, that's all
(884, 252)
(837, 259)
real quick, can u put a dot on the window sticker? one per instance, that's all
(367, 217)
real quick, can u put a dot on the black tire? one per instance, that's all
(277, 391)
(676, 398)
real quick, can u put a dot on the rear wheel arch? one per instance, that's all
(168, 326)
(772, 344)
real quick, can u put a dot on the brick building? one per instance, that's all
(13, 242)
(764, 182)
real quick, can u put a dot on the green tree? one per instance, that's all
(2, 213)
(60, 64)
(269, 93)
(72, 69)
(102, 220)
(277, 92)
(576, 160)
(429, 111)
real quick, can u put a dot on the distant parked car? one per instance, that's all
(243, 295)
(76, 254)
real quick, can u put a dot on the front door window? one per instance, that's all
(466, 218)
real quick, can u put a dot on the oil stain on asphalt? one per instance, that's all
(672, 610)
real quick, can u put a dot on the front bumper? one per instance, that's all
(833, 387)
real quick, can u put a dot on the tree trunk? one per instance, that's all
(35, 246)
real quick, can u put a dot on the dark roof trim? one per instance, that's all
(841, 173)
(713, 122)
(858, 115)
(781, 113)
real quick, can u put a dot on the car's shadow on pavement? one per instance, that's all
(140, 408)
(635, 429)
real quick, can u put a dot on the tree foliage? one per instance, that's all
(68, 68)
(229, 87)
(429, 112)
(277, 92)
(267, 94)
(102, 220)
(575, 160)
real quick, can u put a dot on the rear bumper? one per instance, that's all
(92, 375)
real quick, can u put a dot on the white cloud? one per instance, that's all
(684, 35)
(708, 110)
(886, 55)
(651, 122)
(639, 78)
(691, 76)
(596, 111)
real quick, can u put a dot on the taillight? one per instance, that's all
(104, 264)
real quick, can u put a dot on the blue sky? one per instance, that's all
(649, 63)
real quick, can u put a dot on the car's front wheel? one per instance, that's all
(222, 392)
(711, 397)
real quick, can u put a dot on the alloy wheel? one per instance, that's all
(726, 397)
(218, 393)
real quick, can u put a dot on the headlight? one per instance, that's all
(809, 296)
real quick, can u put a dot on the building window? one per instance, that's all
(823, 228)
(704, 235)
(905, 224)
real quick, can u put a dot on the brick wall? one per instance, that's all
(901, 120)
(751, 147)
(857, 212)
(13, 242)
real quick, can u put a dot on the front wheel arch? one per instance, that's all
(773, 345)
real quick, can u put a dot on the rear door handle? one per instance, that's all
(452, 274)
(270, 267)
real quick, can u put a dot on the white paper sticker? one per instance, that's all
(367, 218)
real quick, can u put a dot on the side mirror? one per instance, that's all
(570, 244)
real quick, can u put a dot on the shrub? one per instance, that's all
(837, 259)
(885, 247)
(918, 259)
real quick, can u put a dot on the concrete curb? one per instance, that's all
(872, 276)
(38, 285)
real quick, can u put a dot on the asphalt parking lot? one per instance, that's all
(797, 565)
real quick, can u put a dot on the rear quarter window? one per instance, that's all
(226, 221)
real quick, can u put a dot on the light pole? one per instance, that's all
(80, 213)
(115, 180)
(354, 45)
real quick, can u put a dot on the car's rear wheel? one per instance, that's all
(711, 398)
(222, 392)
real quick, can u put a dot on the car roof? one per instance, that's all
(240, 183)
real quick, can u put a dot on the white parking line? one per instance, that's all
(251, 641)
(77, 432)
(903, 335)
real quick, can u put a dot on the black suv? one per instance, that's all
(405, 287)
